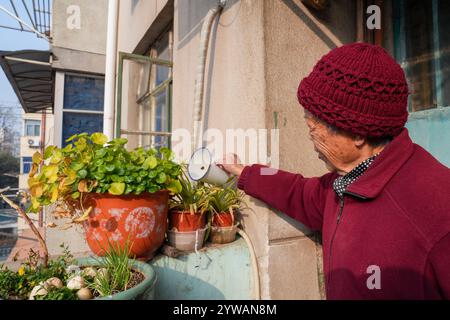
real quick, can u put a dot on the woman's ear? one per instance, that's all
(359, 141)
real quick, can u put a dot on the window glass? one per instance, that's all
(162, 52)
(32, 128)
(83, 93)
(161, 118)
(75, 123)
(27, 162)
(422, 47)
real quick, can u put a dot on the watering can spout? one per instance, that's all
(202, 167)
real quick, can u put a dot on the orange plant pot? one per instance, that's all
(140, 220)
(224, 219)
(185, 221)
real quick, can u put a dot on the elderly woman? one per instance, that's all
(384, 208)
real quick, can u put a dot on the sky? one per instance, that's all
(11, 40)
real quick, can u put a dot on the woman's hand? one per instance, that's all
(231, 164)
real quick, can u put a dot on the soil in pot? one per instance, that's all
(141, 285)
(139, 220)
(184, 221)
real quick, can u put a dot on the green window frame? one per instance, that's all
(165, 86)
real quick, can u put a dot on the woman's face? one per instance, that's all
(336, 149)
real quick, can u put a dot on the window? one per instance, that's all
(144, 95)
(26, 164)
(83, 105)
(422, 47)
(32, 128)
(159, 100)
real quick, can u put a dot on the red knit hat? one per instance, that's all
(358, 88)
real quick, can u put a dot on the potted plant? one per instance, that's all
(222, 203)
(187, 220)
(116, 194)
(114, 276)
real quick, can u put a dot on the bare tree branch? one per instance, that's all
(31, 225)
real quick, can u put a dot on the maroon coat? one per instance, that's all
(395, 217)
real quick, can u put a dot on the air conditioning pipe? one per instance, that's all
(200, 75)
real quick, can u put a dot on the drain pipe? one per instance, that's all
(110, 68)
(200, 74)
(255, 271)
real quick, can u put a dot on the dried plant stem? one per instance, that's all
(31, 225)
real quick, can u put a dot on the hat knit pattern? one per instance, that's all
(358, 88)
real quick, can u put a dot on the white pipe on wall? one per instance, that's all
(255, 270)
(200, 75)
(110, 68)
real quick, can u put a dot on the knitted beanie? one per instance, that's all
(358, 88)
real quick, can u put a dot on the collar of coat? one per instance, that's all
(383, 168)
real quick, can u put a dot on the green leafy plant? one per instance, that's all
(18, 285)
(223, 199)
(92, 164)
(63, 293)
(191, 198)
(116, 271)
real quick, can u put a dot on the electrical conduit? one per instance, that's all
(200, 74)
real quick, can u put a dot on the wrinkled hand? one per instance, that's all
(231, 164)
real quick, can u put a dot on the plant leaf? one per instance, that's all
(83, 186)
(84, 217)
(49, 151)
(99, 138)
(117, 188)
(37, 157)
(150, 163)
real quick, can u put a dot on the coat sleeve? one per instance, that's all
(300, 198)
(439, 261)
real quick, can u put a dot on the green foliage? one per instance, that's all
(88, 165)
(191, 198)
(223, 199)
(63, 293)
(118, 271)
(19, 284)
(8, 164)
(8, 282)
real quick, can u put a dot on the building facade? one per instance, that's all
(258, 53)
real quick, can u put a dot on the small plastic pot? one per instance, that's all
(221, 235)
(224, 219)
(187, 241)
(184, 221)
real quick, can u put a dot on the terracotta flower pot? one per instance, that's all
(224, 219)
(141, 220)
(185, 221)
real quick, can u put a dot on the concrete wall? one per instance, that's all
(259, 51)
(79, 35)
(135, 20)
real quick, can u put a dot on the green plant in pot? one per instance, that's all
(187, 217)
(114, 276)
(115, 194)
(221, 204)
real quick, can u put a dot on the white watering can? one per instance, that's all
(203, 168)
